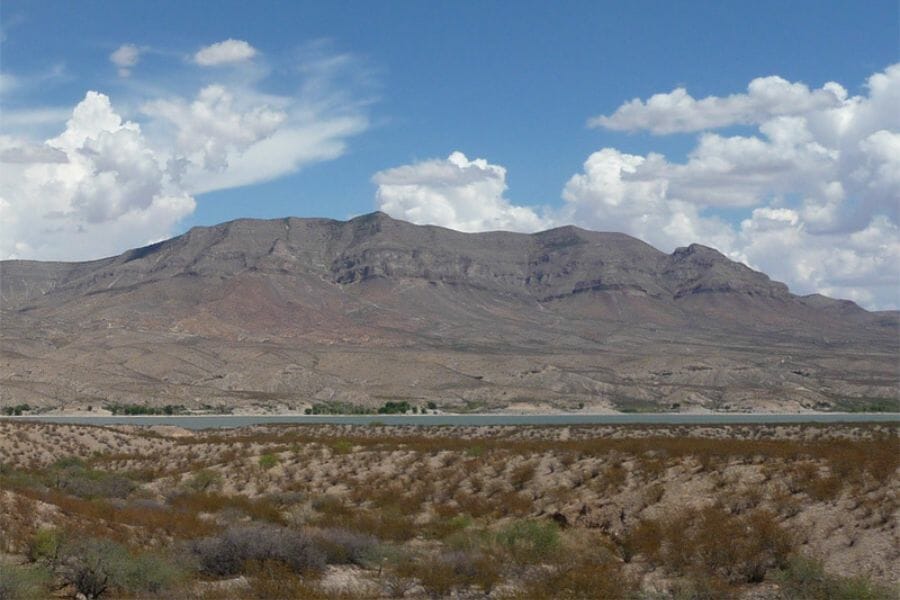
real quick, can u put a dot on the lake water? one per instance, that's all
(203, 422)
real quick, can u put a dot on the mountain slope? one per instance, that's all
(287, 312)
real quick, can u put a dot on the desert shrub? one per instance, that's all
(442, 527)
(512, 504)
(260, 509)
(150, 573)
(388, 524)
(91, 565)
(529, 541)
(614, 476)
(331, 508)
(652, 468)
(67, 462)
(390, 519)
(713, 543)
(16, 521)
(475, 450)
(23, 583)
(439, 575)
(74, 477)
(44, 545)
(273, 579)
(475, 505)
(342, 546)
(644, 538)
(806, 578)
(653, 493)
(577, 580)
(698, 586)
(825, 488)
(342, 446)
(521, 475)
(861, 588)
(267, 461)
(106, 486)
(204, 480)
(226, 553)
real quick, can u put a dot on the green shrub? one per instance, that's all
(44, 545)
(149, 574)
(92, 565)
(342, 446)
(267, 461)
(529, 541)
(23, 583)
(394, 408)
(337, 408)
(475, 450)
(136, 409)
(203, 480)
(443, 527)
(806, 578)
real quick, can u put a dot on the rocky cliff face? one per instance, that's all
(292, 311)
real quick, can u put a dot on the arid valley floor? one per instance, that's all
(649, 512)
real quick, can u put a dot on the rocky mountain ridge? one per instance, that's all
(289, 312)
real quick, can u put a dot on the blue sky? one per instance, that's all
(380, 95)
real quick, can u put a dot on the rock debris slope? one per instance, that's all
(279, 314)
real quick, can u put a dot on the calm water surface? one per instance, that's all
(203, 422)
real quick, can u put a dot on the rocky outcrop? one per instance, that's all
(305, 309)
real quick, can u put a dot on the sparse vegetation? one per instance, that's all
(806, 578)
(28, 582)
(577, 512)
(267, 461)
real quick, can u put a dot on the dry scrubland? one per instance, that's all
(496, 512)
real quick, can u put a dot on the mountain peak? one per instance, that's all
(360, 310)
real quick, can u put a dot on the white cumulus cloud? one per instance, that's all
(462, 194)
(103, 183)
(620, 192)
(678, 111)
(125, 57)
(91, 191)
(221, 53)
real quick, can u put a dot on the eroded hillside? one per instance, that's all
(281, 314)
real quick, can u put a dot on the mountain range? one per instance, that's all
(277, 315)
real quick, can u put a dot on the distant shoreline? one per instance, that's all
(85, 414)
(469, 420)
